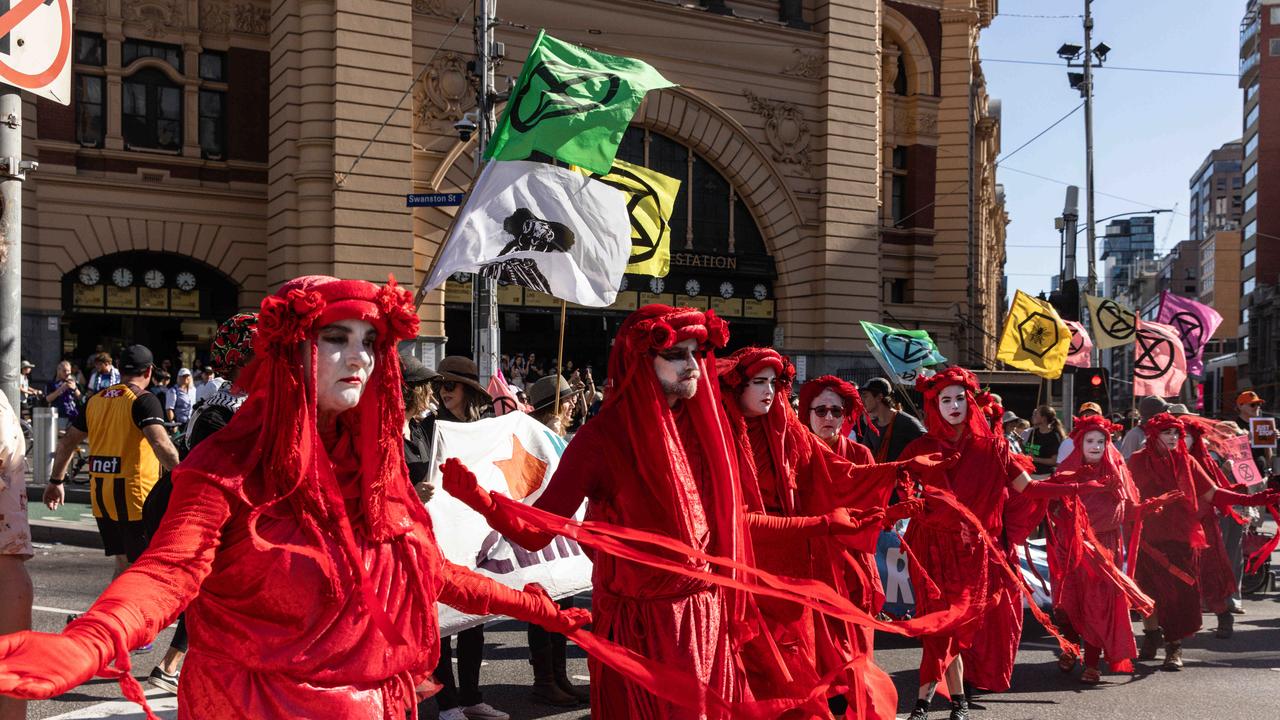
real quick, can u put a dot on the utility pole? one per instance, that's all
(1090, 234)
(12, 173)
(484, 299)
(1069, 284)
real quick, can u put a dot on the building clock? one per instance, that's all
(122, 277)
(726, 289)
(185, 281)
(154, 279)
(89, 275)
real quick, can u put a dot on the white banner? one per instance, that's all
(515, 455)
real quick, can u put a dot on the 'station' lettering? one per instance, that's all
(718, 262)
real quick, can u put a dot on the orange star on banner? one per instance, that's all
(524, 471)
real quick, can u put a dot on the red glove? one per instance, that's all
(922, 463)
(539, 609)
(1157, 503)
(38, 666)
(841, 522)
(461, 483)
(1223, 498)
(904, 509)
(1040, 490)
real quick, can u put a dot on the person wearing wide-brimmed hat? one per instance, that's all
(462, 397)
(545, 409)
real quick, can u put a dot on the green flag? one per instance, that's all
(904, 351)
(572, 104)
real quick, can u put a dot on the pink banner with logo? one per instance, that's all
(1194, 322)
(1159, 362)
(1242, 465)
(1081, 349)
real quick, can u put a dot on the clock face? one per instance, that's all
(122, 277)
(89, 275)
(726, 289)
(656, 285)
(185, 281)
(154, 279)
(760, 291)
(692, 288)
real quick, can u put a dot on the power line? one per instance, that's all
(1037, 135)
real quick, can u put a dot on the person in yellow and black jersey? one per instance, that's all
(128, 445)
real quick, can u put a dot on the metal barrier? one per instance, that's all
(44, 432)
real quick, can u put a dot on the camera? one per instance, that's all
(465, 127)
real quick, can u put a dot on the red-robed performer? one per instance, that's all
(1090, 594)
(829, 406)
(1172, 537)
(658, 457)
(308, 568)
(956, 558)
(811, 514)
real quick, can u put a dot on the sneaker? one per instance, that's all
(163, 680)
(453, 714)
(142, 650)
(921, 710)
(484, 711)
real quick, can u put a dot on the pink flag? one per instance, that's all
(1078, 354)
(1159, 362)
(504, 398)
(1194, 322)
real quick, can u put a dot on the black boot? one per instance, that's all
(545, 689)
(559, 662)
(959, 708)
(1151, 642)
(1226, 626)
(921, 710)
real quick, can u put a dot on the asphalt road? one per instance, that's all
(1237, 678)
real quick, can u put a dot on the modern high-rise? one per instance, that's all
(1215, 211)
(1260, 253)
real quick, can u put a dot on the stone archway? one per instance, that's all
(916, 53)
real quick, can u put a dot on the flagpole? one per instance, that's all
(435, 259)
(564, 311)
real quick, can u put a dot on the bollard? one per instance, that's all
(44, 433)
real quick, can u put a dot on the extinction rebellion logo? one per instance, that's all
(574, 91)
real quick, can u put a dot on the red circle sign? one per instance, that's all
(34, 81)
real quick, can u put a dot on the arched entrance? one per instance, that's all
(168, 302)
(719, 260)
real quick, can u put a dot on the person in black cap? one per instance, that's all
(122, 467)
(419, 422)
(894, 429)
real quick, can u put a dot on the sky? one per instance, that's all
(1151, 129)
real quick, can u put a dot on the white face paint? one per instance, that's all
(344, 361)
(1170, 437)
(831, 405)
(953, 405)
(1092, 446)
(677, 370)
(757, 396)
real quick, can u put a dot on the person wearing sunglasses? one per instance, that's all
(829, 406)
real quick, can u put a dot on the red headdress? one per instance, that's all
(271, 454)
(931, 387)
(852, 400)
(1207, 437)
(1178, 460)
(735, 372)
(1111, 469)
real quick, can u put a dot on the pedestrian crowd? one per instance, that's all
(733, 520)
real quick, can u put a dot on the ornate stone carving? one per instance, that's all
(807, 65)
(90, 7)
(437, 8)
(785, 128)
(215, 16)
(444, 92)
(911, 120)
(251, 19)
(155, 15)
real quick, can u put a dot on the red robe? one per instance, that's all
(948, 551)
(1173, 538)
(668, 618)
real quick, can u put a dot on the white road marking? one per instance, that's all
(164, 704)
(58, 611)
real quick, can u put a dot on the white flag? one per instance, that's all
(544, 228)
(516, 456)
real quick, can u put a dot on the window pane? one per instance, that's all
(134, 98)
(133, 49)
(671, 158)
(710, 193)
(152, 111)
(213, 66)
(89, 49)
(170, 103)
(631, 149)
(898, 203)
(90, 127)
(747, 239)
(899, 158)
(212, 122)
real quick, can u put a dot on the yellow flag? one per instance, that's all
(1035, 339)
(1113, 323)
(651, 196)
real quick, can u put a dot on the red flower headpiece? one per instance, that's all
(1162, 422)
(1082, 425)
(653, 328)
(306, 304)
(737, 369)
(931, 387)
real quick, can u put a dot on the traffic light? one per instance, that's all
(1066, 301)
(1093, 385)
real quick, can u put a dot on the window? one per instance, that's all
(1244, 316)
(1250, 201)
(151, 110)
(1251, 173)
(1251, 91)
(213, 132)
(898, 186)
(1251, 144)
(1248, 285)
(1275, 16)
(900, 80)
(1189, 289)
(213, 66)
(895, 290)
(1274, 45)
(1248, 258)
(1252, 117)
(133, 50)
(1250, 230)
(89, 89)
